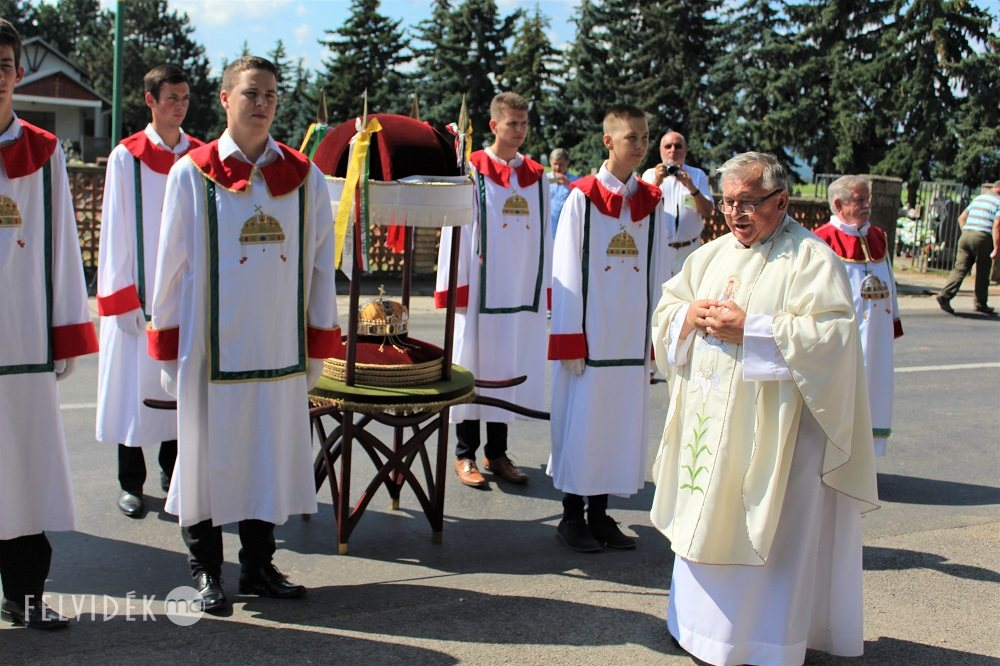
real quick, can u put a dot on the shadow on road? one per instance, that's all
(895, 559)
(915, 490)
(894, 651)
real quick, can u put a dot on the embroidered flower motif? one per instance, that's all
(706, 380)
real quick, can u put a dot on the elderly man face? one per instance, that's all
(752, 211)
(856, 208)
(673, 148)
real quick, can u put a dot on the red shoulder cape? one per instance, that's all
(528, 173)
(641, 204)
(30, 152)
(158, 159)
(281, 176)
(848, 246)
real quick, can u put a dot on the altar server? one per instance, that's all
(863, 248)
(503, 283)
(608, 251)
(130, 231)
(244, 311)
(45, 325)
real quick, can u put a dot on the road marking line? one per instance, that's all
(955, 366)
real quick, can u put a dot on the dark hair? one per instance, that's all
(621, 112)
(156, 77)
(504, 101)
(10, 37)
(242, 65)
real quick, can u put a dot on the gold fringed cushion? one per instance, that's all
(401, 361)
(380, 399)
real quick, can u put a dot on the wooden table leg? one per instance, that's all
(344, 491)
(437, 522)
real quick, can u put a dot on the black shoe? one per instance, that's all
(267, 581)
(164, 481)
(574, 533)
(606, 532)
(131, 505)
(210, 593)
(945, 304)
(987, 310)
(38, 617)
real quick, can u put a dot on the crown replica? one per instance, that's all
(874, 289)
(261, 228)
(10, 216)
(515, 205)
(622, 245)
(401, 362)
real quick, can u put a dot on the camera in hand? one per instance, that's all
(672, 169)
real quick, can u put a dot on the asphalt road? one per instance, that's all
(500, 589)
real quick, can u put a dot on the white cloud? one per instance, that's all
(302, 34)
(221, 13)
(300, 10)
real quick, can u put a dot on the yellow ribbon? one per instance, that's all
(361, 142)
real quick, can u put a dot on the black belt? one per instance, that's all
(678, 246)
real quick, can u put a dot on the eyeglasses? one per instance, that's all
(744, 207)
(672, 145)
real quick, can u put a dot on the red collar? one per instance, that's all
(848, 246)
(281, 176)
(529, 173)
(641, 204)
(30, 152)
(156, 158)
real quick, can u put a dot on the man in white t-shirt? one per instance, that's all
(687, 200)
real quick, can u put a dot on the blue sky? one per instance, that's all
(221, 26)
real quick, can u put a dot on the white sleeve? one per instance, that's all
(761, 359)
(117, 261)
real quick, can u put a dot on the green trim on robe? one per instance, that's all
(533, 307)
(48, 365)
(216, 373)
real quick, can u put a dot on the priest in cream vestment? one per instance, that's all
(766, 462)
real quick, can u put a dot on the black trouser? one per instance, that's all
(974, 248)
(204, 541)
(467, 434)
(132, 465)
(24, 566)
(597, 507)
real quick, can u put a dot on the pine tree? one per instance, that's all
(439, 76)
(296, 109)
(599, 74)
(485, 34)
(929, 40)
(747, 100)
(367, 52)
(977, 123)
(529, 70)
(672, 56)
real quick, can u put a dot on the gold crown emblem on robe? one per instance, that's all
(622, 245)
(516, 205)
(10, 216)
(261, 228)
(873, 289)
(383, 317)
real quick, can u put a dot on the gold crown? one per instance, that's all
(380, 316)
(10, 216)
(873, 289)
(516, 205)
(622, 245)
(261, 228)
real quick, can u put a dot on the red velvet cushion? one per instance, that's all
(415, 352)
(406, 147)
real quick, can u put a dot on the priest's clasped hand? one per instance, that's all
(573, 366)
(132, 322)
(726, 321)
(168, 378)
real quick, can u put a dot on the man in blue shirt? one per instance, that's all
(559, 180)
(977, 246)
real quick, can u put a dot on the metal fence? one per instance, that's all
(927, 235)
